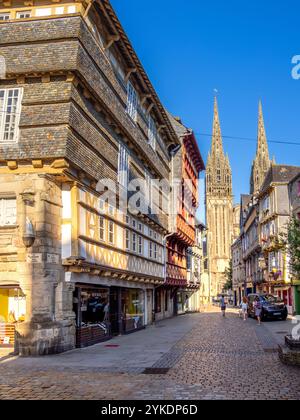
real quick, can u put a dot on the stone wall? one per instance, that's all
(49, 323)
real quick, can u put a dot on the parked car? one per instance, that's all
(272, 307)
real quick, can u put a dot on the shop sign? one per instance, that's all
(52, 259)
(34, 258)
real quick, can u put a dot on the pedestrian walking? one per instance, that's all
(223, 306)
(244, 308)
(258, 309)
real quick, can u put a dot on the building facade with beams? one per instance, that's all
(265, 214)
(187, 163)
(77, 108)
(219, 209)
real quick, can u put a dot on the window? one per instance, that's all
(8, 212)
(4, 16)
(101, 205)
(123, 166)
(127, 240)
(132, 101)
(151, 250)
(140, 245)
(134, 223)
(24, 15)
(134, 242)
(111, 232)
(102, 229)
(43, 12)
(111, 210)
(140, 227)
(71, 9)
(127, 220)
(152, 133)
(155, 252)
(10, 108)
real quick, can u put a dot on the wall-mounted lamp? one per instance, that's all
(29, 234)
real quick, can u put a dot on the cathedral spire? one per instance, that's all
(219, 176)
(262, 145)
(262, 162)
(217, 143)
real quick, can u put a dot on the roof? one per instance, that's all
(245, 200)
(127, 47)
(280, 174)
(188, 135)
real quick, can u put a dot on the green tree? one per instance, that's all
(291, 239)
(228, 275)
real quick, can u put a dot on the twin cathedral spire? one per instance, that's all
(218, 173)
(220, 212)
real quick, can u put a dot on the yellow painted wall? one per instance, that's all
(3, 304)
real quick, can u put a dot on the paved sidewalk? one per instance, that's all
(134, 351)
(201, 357)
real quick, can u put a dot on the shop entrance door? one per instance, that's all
(115, 309)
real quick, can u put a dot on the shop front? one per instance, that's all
(103, 312)
(183, 297)
(12, 312)
(91, 306)
(127, 310)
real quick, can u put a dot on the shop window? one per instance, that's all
(166, 301)
(158, 301)
(133, 303)
(12, 306)
(94, 306)
(10, 108)
(8, 212)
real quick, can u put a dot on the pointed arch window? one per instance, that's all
(219, 175)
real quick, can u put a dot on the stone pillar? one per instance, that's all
(49, 326)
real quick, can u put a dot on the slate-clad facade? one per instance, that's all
(79, 108)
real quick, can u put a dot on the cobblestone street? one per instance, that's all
(209, 358)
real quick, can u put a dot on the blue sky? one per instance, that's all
(242, 48)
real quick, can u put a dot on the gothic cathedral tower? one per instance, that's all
(219, 208)
(262, 162)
